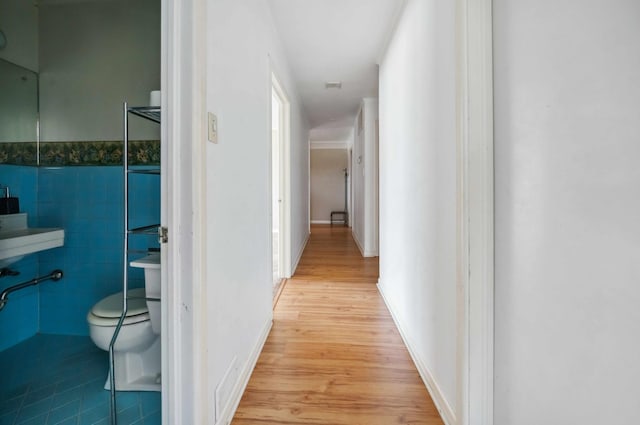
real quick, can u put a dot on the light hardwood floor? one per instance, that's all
(334, 355)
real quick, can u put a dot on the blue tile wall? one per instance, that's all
(88, 203)
(19, 319)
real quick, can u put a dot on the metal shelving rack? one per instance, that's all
(151, 113)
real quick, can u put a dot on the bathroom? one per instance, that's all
(68, 65)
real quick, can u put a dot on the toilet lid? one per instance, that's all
(111, 306)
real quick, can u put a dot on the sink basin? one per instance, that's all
(18, 240)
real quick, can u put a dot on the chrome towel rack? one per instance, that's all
(152, 113)
(54, 275)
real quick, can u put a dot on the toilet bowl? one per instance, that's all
(151, 266)
(137, 348)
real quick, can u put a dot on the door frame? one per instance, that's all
(184, 132)
(183, 147)
(284, 239)
(475, 213)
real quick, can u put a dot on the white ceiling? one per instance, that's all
(334, 40)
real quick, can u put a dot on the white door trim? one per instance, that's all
(285, 176)
(475, 246)
(183, 135)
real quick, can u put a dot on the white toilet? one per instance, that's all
(137, 349)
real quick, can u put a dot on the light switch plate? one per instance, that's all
(213, 127)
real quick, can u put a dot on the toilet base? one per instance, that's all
(137, 371)
(144, 383)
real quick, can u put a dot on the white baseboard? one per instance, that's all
(355, 238)
(320, 222)
(370, 254)
(294, 266)
(243, 378)
(364, 252)
(446, 412)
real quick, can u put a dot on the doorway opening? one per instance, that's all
(276, 201)
(280, 209)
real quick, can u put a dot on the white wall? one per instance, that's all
(243, 48)
(567, 212)
(327, 182)
(365, 178)
(418, 190)
(18, 97)
(371, 169)
(19, 22)
(94, 56)
(300, 170)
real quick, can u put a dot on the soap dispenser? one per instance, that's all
(9, 204)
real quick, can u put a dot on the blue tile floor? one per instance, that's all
(58, 379)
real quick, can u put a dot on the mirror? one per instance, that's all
(18, 113)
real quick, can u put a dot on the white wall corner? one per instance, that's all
(358, 243)
(391, 31)
(298, 257)
(437, 395)
(350, 140)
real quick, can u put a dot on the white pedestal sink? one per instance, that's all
(18, 240)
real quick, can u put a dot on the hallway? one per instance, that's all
(334, 355)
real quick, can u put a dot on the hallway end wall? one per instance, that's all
(418, 191)
(327, 183)
(567, 207)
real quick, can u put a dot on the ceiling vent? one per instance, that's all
(333, 85)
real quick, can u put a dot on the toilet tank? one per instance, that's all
(151, 266)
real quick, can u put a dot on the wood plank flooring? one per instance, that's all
(334, 355)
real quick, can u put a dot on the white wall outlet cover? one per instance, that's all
(213, 127)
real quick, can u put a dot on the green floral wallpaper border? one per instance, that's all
(64, 154)
(24, 153)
